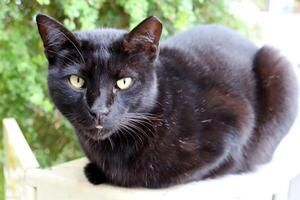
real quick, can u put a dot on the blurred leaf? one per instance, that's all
(44, 2)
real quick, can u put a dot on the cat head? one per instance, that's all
(101, 80)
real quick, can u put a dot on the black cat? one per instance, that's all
(205, 103)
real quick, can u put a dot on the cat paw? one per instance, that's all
(94, 174)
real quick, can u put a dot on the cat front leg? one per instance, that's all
(94, 174)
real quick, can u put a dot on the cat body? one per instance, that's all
(204, 103)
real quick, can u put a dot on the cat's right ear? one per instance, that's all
(144, 38)
(54, 35)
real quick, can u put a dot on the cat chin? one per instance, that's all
(103, 137)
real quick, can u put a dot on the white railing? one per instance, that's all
(18, 158)
(24, 180)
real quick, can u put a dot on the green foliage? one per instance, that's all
(1, 180)
(23, 67)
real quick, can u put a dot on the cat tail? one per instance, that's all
(277, 103)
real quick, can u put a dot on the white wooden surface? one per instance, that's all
(294, 190)
(18, 158)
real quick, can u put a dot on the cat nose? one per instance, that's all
(104, 112)
(100, 113)
(100, 109)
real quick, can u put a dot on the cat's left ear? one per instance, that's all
(144, 37)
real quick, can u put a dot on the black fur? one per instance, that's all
(94, 175)
(204, 103)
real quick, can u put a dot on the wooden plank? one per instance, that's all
(67, 181)
(294, 191)
(18, 158)
(15, 139)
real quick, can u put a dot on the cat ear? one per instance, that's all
(144, 37)
(54, 34)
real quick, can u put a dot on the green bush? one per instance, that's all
(23, 66)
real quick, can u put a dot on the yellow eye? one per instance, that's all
(124, 83)
(76, 81)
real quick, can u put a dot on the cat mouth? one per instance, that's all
(99, 133)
